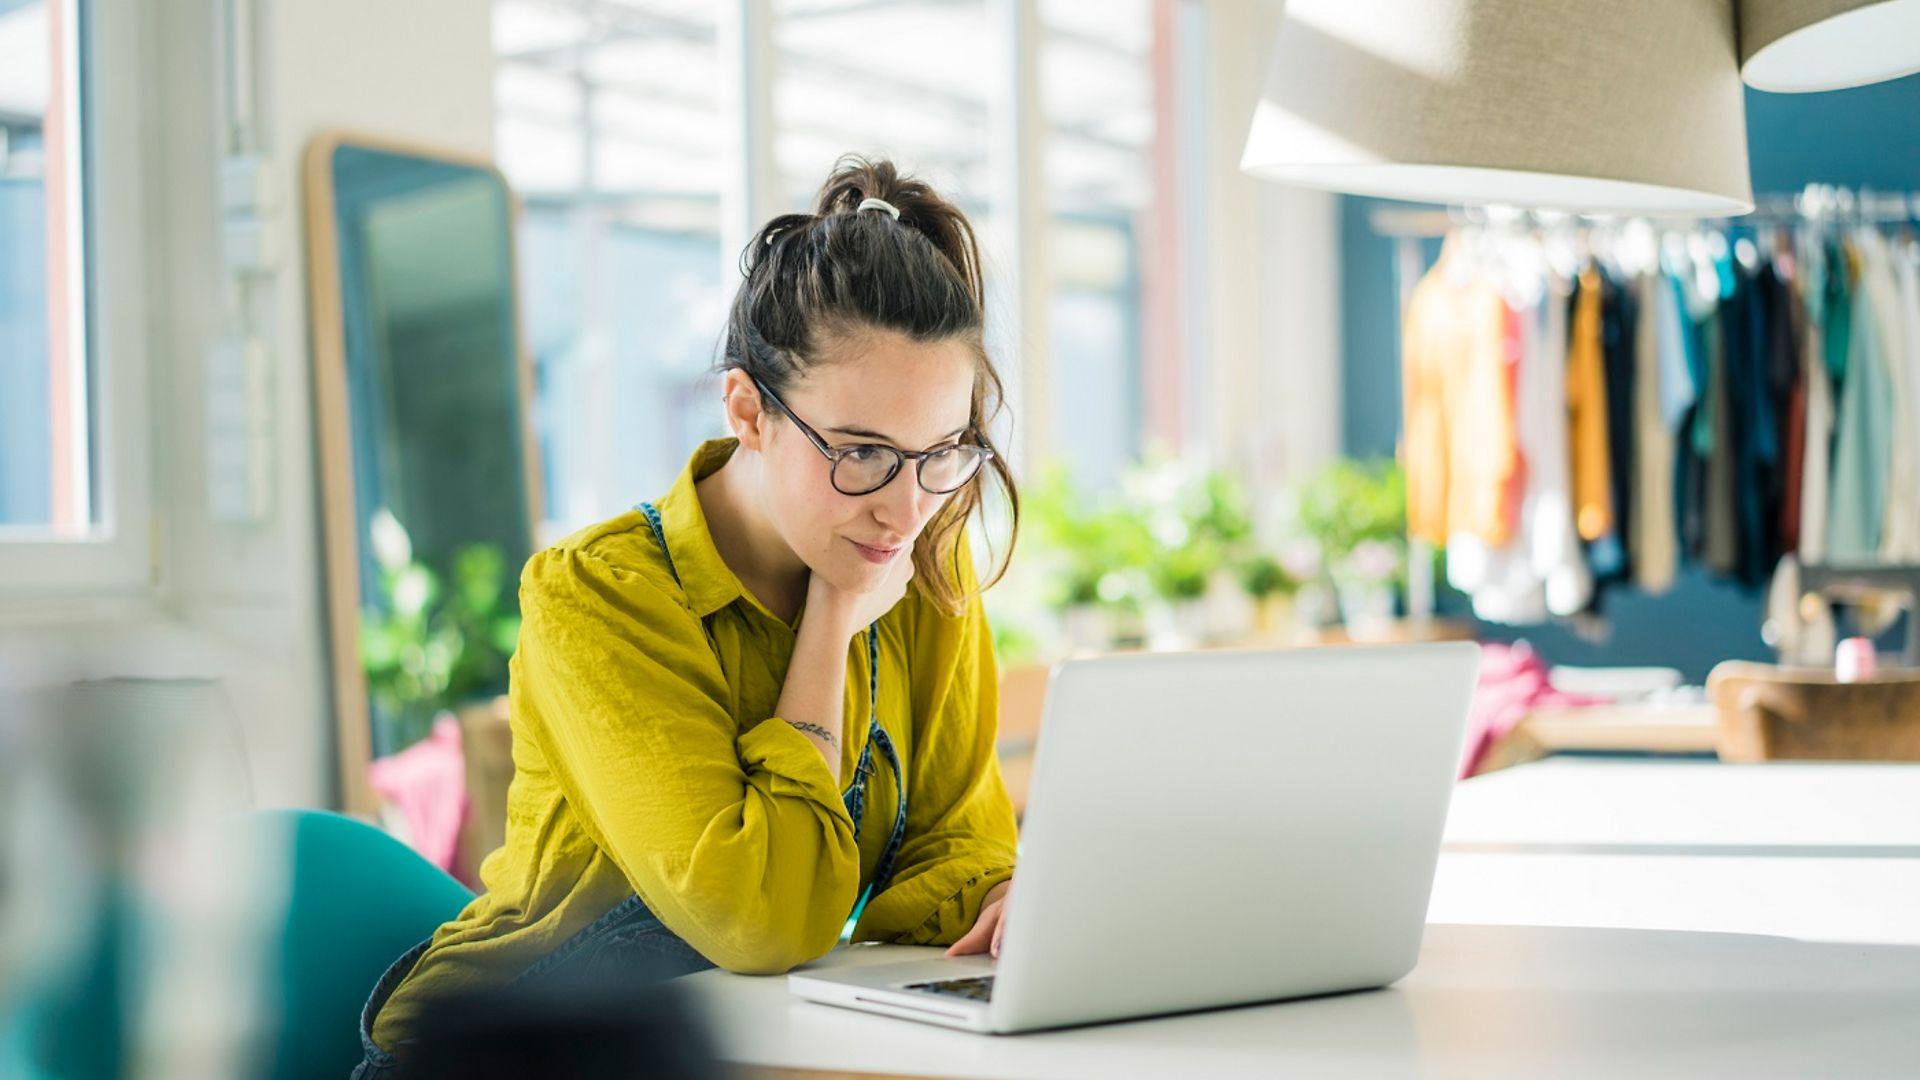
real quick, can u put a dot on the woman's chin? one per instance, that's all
(849, 575)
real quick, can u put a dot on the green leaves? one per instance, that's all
(426, 647)
(1358, 512)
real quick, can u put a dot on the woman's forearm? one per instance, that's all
(813, 699)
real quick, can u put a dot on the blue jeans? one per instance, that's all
(624, 944)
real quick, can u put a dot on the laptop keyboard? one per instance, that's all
(977, 988)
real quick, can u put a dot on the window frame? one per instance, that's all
(111, 62)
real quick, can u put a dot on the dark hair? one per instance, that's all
(813, 278)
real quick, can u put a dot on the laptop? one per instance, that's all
(1204, 830)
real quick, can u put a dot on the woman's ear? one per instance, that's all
(741, 400)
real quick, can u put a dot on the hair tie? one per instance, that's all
(879, 204)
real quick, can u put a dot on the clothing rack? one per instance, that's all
(1817, 205)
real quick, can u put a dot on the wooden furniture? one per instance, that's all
(1619, 729)
(1768, 712)
(1589, 918)
(486, 740)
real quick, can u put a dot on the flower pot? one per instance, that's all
(1088, 628)
(1367, 610)
(1274, 618)
(1177, 624)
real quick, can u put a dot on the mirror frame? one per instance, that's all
(333, 441)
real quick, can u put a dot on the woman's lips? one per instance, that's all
(874, 554)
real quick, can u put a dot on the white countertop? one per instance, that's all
(1574, 931)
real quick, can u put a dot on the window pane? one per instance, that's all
(1097, 96)
(609, 128)
(45, 483)
(908, 81)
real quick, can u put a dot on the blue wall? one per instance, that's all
(1869, 137)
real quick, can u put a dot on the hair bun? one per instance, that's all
(856, 179)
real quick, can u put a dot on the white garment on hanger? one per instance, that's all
(1553, 543)
(1863, 419)
(1901, 540)
(1653, 543)
(1816, 456)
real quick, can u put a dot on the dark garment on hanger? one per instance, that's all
(1689, 463)
(1786, 342)
(1838, 306)
(1753, 421)
(1618, 312)
(1793, 444)
(1720, 540)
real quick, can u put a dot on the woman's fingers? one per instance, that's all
(980, 937)
(999, 928)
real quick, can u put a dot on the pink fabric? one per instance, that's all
(1513, 682)
(428, 783)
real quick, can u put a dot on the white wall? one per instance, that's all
(241, 602)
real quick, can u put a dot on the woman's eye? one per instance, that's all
(864, 454)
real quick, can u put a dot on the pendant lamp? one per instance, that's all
(1794, 46)
(1628, 106)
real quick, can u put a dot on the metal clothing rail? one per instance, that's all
(1822, 203)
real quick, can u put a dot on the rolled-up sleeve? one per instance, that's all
(960, 837)
(737, 841)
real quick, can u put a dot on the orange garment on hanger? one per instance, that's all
(1459, 343)
(1587, 414)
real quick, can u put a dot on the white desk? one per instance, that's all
(1620, 867)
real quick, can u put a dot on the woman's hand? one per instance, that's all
(988, 928)
(849, 612)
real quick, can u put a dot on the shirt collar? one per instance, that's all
(710, 583)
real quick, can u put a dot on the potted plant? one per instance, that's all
(1357, 512)
(429, 647)
(1194, 524)
(1267, 583)
(1093, 558)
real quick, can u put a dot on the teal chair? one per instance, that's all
(358, 898)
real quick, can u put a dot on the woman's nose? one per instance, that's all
(901, 505)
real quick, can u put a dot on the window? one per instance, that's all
(908, 80)
(616, 128)
(46, 427)
(1097, 100)
(609, 128)
(73, 413)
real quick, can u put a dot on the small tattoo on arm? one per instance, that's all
(818, 731)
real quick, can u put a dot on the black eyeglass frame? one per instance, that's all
(900, 457)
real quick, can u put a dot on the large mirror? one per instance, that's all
(427, 466)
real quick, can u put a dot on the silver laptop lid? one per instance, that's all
(1223, 827)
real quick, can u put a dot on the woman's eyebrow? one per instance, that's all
(865, 433)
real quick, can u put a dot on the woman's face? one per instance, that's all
(875, 387)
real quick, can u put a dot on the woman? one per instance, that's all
(736, 728)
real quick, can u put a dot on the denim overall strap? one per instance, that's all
(856, 797)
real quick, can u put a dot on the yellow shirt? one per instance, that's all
(648, 759)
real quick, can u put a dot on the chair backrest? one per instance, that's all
(357, 899)
(1779, 713)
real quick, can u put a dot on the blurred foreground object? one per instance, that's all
(131, 910)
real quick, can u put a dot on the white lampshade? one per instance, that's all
(1793, 46)
(1629, 106)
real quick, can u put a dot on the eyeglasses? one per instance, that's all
(865, 468)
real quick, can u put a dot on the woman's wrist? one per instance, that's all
(830, 626)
